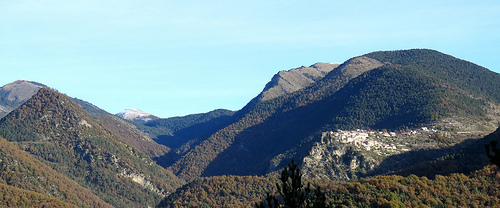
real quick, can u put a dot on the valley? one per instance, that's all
(394, 119)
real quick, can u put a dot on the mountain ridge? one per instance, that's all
(136, 115)
(19, 169)
(285, 82)
(344, 100)
(59, 133)
(13, 94)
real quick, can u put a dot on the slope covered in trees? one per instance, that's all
(421, 87)
(479, 189)
(19, 169)
(56, 131)
(15, 197)
(124, 129)
(193, 164)
(221, 191)
(183, 133)
(14, 94)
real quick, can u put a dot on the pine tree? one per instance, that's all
(292, 192)
(493, 152)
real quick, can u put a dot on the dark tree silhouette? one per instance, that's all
(292, 193)
(493, 152)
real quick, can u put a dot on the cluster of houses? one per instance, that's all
(380, 142)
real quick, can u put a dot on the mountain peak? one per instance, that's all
(14, 94)
(285, 82)
(136, 115)
(49, 110)
(356, 66)
(58, 132)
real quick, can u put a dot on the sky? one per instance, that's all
(173, 58)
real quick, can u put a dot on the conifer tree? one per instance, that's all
(292, 193)
(493, 152)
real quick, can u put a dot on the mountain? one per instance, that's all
(222, 191)
(194, 163)
(16, 197)
(125, 129)
(14, 94)
(183, 133)
(479, 189)
(430, 100)
(175, 131)
(21, 173)
(286, 82)
(136, 115)
(58, 132)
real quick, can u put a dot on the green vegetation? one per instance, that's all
(221, 191)
(381, 90)
(175, 124)
(391, 97)
(177, 131)
(16, 197)
(479, 189)
(493, 148)
(132, 136)
(462, 74)
(19, 169)
(127, 131)
(72, 143)
(407, 90)
(293, 193)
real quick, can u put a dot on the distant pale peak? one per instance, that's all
(136, 115)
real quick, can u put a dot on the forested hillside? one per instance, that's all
(14, 94)
(56, 131)
(194, 162)
(21, 170)
(15, 197)
(422, 88)
(386, 129)
(480, 189)
(221, 191)
(127, 131)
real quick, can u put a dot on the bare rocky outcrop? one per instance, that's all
(356, 66)
(286, 82)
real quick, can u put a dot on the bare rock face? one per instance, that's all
(286, 82)
(335, 157)
(356, 66)
(14, 94)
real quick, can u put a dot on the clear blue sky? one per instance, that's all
(173, 58)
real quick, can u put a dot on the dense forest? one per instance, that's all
(19, 169)
(366, 92)
(479, 189)
(16, 197)
(431, 114)
(56, 131)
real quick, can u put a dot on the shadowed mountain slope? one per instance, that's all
(422, 87)
(193, 163)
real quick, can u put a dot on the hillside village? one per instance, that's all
(381, 142)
